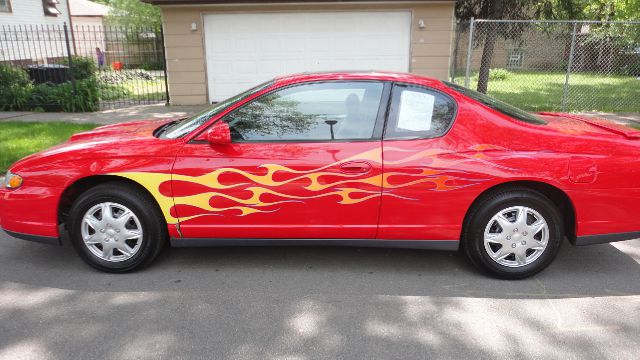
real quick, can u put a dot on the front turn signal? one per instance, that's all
(13, 181)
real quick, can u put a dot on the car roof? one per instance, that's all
(360, 75)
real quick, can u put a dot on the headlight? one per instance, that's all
(12, 181)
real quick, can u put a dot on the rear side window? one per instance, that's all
(419, 113)
(498, 105)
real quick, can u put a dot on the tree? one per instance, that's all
(560, 10)
(603, 10)
(493, 9)
(132, 13)
(608, 38)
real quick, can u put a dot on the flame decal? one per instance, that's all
(212, 200)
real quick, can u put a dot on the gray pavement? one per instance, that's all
(140, 112)
(317, 303)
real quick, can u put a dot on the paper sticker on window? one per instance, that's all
(416, 111)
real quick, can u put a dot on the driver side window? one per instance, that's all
(310, 112)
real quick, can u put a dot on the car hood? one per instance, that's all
(577, 125)
(142, 128)
(119, 140)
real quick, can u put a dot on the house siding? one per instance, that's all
(430, 53)
(88, 34)
(528, 44)
(21, 32)
(28, 12)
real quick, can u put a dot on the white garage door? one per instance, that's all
(243, 50)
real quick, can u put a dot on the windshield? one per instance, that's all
(183, 127)
(498, 105)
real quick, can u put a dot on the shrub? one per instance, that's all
(83, 67)
(15, 98)
(17, 92)
(499, 74)
(15, 88)
(494, 74)
(61, 97)
(87, 97)
(10, 75)
(43, 98)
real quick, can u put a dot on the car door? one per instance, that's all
(421, 173)
(304, 162)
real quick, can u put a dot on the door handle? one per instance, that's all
(355, 167)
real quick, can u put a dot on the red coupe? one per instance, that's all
(356, 159)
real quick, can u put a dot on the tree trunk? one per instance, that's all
(485, 63)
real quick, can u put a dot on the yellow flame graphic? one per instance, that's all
(437, 173)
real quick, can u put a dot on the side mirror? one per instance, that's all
(219, 134)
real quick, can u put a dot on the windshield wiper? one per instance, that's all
(162, 129)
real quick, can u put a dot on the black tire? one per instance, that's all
(483, 211)
(154, 227)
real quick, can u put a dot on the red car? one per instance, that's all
(357, 159)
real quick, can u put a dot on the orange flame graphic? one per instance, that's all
(439, 174)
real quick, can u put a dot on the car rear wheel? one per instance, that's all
(115, 227)
(513, 234)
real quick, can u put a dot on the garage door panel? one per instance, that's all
(221, 67)
(269, 47)
(271, 66)
(245, 67)
(293, 22)
(320, 45)
(293, 66)
(245, 49)
(315, 26)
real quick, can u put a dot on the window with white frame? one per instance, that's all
(5, 6)
(515, 58)
(51, 7)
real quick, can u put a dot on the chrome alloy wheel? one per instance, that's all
(111, 232)
(516, 236)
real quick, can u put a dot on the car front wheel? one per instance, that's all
(513, 234)
(115, 227)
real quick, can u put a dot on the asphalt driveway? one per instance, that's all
(317, 303)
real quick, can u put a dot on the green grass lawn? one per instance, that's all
(19, 139)
(134, 90)
(542, 91)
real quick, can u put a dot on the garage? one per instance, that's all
(243, 49)
(218, 48)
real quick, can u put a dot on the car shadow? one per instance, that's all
(592, 271)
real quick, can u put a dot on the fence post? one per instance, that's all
(453, 66)
(164, 62)
(565, 90)
(467, 72)
(70, 60)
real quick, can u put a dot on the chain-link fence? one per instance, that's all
(80, 68)
(551, 65)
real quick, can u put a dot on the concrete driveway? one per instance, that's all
(317, 303)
